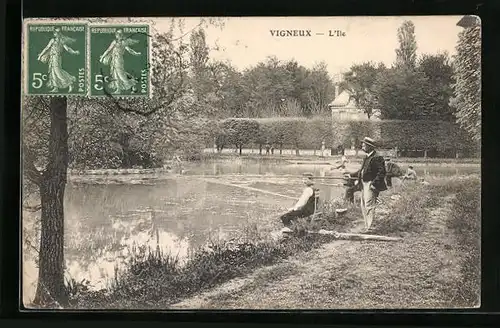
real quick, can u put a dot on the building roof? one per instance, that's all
(343, 100)
(469, 21)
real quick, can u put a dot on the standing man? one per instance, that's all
(371, 177)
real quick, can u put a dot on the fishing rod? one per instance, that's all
(270, 176)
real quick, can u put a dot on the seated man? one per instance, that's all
(304, 206)
(351, 186)
(410, 174)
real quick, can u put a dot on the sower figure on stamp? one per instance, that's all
(113, 56)
(304, 206)
(58, 78)
(371, 177)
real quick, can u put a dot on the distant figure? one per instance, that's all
(268, 148)
(178, 163)
(410, 174)
(343, 162)
(340, 150)
(304, 206)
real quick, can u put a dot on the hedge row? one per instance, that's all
(304, 133)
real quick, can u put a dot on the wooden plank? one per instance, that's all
(355, 236)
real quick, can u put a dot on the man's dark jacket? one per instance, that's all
(374, 171)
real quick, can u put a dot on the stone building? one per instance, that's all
(344, 107)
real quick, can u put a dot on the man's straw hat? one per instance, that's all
(369, 141)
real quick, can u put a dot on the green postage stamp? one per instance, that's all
(56, 61)
(119, 60)
(80, 58)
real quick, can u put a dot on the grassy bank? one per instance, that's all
(465, 222)
(436, 265)
(156, 280)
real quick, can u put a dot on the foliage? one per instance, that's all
(465, 221)
(398, 96)
(437, 89)
(413, 89)
(424, 134)
(359, 80)
(309, 133)
(406, 54)
(467, 87)
(239, 132)
(275, 88)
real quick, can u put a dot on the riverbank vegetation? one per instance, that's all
(437, 138)
(155, 279)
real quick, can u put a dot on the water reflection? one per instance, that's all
(283, 167)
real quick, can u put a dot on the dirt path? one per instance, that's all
(415, 273)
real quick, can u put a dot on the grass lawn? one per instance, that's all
(437, 265)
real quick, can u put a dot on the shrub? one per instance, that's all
(407, 215)
(239, 132)
(303, 133)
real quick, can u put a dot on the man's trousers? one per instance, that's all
(368, 203)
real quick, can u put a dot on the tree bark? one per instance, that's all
(50, 288)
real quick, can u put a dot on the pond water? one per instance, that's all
(210, 201)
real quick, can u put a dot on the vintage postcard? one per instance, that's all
(251, 163)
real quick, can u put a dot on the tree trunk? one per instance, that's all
(50, 287)
(240, 149)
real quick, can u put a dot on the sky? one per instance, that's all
(245, 41)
